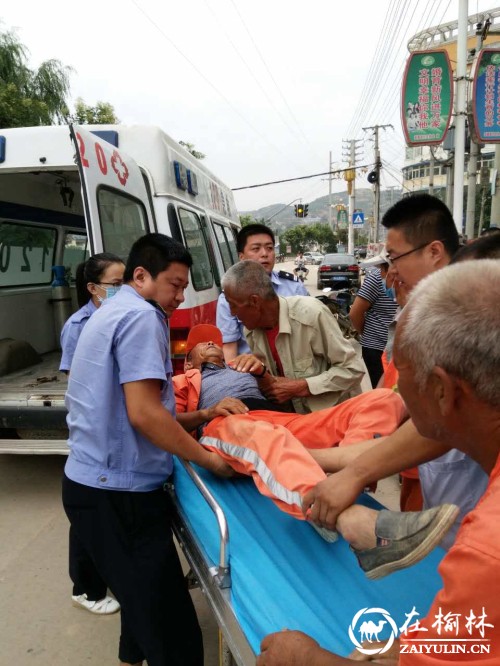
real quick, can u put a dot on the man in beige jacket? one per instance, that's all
(296, 343)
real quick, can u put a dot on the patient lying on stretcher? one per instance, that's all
(232, 418)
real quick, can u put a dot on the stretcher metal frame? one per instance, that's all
(213, 578)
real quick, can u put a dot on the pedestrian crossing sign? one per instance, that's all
(358, 219)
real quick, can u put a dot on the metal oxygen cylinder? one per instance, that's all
(61, 299)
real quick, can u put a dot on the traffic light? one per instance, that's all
(296, 212)
(306, 207)
(300, 210)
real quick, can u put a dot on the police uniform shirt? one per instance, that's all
(126, 340)
(71, 332)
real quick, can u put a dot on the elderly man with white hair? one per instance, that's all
(296, 342)
(447, 352)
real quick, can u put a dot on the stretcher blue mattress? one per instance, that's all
(285, 575)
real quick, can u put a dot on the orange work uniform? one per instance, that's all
(466, 612)
(270, 446)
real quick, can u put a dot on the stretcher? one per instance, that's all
(262, 570)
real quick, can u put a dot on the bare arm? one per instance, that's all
(230, 350)
(404, 448)
(147, 414)
(357, 313)
(191, 420)
(279, 389)
(338, 457)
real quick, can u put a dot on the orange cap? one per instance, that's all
(203, 333)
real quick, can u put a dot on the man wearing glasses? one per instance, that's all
(421, 239)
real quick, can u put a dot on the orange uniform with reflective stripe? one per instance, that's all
(471, 582)
(270, 446)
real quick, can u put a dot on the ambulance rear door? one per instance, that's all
(116, 200)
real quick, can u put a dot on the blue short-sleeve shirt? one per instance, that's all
(71, 332)
(453, 478)
(232, 328)
(126, 340)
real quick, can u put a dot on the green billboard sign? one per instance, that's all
(427, 98)
(342, 219)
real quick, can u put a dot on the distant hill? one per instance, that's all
(318, 208)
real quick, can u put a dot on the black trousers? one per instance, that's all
(373, 362)
(82, 571)
(129, 538)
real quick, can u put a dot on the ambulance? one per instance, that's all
(68, 192)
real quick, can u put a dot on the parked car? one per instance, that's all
(314, 258)
(338, 271)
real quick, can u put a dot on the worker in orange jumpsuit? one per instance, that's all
(232, 417)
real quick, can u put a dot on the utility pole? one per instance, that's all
(350, 176)
(460, 113)
(374, 177)
(330, 191)
(470, 215)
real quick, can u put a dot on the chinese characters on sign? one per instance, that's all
(427, 97)
(486, 97)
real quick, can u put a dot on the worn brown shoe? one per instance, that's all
(404, 538)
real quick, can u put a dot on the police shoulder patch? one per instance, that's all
(288, 276)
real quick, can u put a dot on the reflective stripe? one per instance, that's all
(260, 467)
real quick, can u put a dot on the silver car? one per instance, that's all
(314, 258)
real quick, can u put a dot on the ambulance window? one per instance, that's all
(201, 271)
(226, 244)
(231, 240)
(210, 246)
(123, 221)
(26, 254)
(173, 221)
(75, 251)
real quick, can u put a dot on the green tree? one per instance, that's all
(30, 97)
(246, 220)
(102, 113)
(302, 236)
(191, 149)
(297, 237)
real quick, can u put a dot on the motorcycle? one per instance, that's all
(339, 303)
(301, 272)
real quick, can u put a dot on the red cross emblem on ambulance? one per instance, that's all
(119, 167)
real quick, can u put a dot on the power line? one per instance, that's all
(292, 130)
(289, 180)
(383, 64)
(370, 77)
(270, 74)
(200, 73)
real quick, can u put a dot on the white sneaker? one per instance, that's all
(106, 606)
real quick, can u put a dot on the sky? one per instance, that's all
(265, 88)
